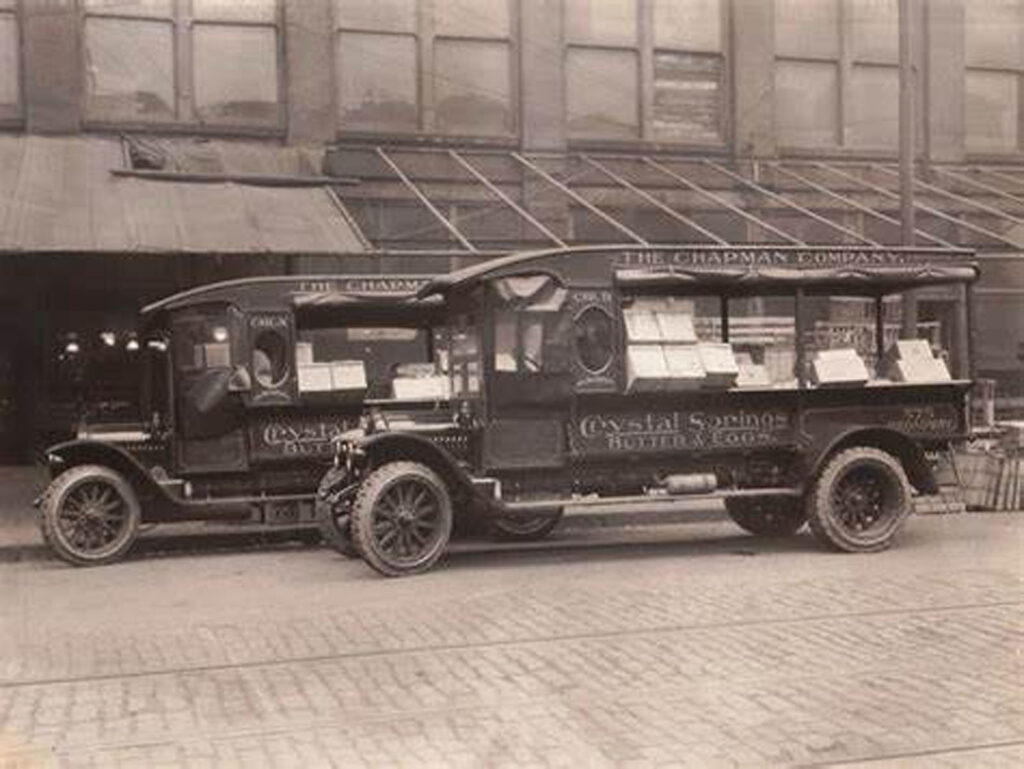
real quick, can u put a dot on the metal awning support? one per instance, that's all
(578, 198)
(855, 204)
(939, 214)
(425, 201)
(723, 202)
(966, 179)
(997, 212)
(998, 174)
(663, 207)
(496, 191)
(787, 202)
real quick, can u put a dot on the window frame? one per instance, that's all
(645, 48)
(845, 62)
(425, 36)
(13, 115)
(990, 68)
(186, 117)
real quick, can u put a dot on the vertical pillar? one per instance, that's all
(753, 67)
(309, 60)
(53, 77)
(943, 97)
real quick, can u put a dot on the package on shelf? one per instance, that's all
(642, 326)
(420, 388)
(676, 327)
(646, 368)
(348, 375)
(685, 368)
(838, 367)
(315, 377)
(303, 353)
(719, 364)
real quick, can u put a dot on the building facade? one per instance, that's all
(150, 145)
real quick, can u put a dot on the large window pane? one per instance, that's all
(807, 28)
(602, 98)
(992, 111)
(382, 15)
(806, 103)
(8, 60)
(604, 22)
(874, 116)
(129, 69)
(235, 10)
(876, 30)
(695, 25)
(235, 94)
(993, 33)
(377, 82)
(472, 87)
(480, 18)
(688, 97)
(158, 8)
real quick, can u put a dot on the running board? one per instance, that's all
(640, 501)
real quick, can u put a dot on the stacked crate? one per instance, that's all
(992, 473)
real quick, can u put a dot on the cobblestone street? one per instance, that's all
(684, 645)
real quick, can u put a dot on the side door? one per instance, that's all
(528, 373)
(207, 345)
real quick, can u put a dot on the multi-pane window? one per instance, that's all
(645, 69)
(993, 39)
(211, 62)
(836, 73)
(10, 91)
(440, 67)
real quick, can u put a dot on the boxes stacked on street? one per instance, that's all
(834, 368)
(911, 360)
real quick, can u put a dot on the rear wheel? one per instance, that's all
(526, 529)
(402, 518)
(860, 500)
(767, 517)
(90, 515)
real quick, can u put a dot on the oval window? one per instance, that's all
(593, 332)
(270, 359)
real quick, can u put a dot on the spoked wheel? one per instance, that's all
(767, 517)
(90, 515)
(335, 519)
(402, 518)
(860, 501)
(526, 529)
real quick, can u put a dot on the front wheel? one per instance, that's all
(860, 500)
(402, 518)
(767, 517)
(90, 515)
(334, 518)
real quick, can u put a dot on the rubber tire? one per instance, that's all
(336, 534)
(376, 483)
(514, 530)
(822, 516)
(758, 516)
(53, 500)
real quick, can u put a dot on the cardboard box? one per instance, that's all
(676, 327)
(646, 368)
(420, 388)
(303, 353)
(315, 378)
(719, 363)
(919, 370)
(348, 375)
(642, 326)
(835, 368)
(685, 369)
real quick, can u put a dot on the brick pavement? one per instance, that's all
(682, 651)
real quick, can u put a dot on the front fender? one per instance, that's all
(387, 447)
(64, 456)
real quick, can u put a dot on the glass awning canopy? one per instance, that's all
(488, 201)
